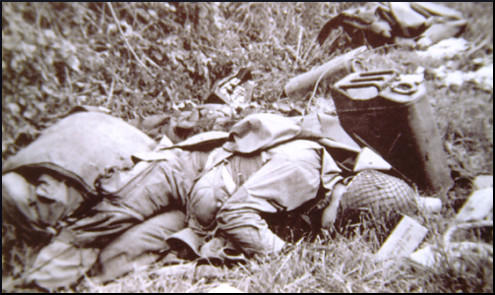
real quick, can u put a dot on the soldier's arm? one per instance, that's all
(289, 179)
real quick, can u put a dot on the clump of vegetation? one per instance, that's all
(144, 59)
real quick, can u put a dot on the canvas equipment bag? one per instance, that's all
(81, 146)
(76, 150)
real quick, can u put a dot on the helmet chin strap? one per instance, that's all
(330, 212)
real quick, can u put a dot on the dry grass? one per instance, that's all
(342, 264)
(163, 56)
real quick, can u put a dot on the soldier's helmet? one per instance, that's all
(381, 197)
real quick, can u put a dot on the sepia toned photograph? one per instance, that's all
(247, 147)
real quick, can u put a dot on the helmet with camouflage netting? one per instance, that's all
(377, 199)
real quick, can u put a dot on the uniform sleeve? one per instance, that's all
(291, 177)
(151, 189)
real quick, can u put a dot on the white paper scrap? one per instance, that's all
(478, 205)
(403, 240)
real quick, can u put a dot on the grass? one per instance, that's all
(318, 266)
(166, 57)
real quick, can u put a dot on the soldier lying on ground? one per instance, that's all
(216, 195)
